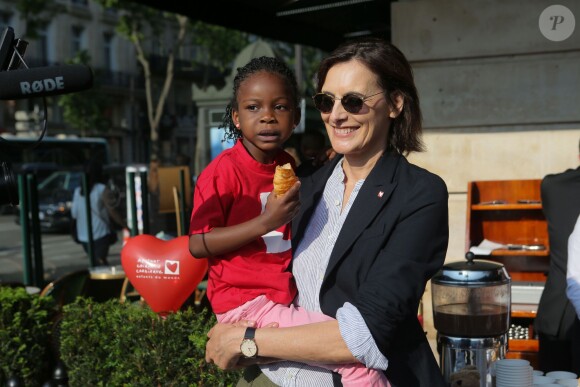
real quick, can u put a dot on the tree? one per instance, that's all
(139, 24)
(29, 12)
(310, 58)
(221, 46)
(85, 110)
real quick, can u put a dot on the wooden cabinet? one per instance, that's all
(509, 212)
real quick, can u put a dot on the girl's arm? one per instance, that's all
(318, 342)
(222, 240)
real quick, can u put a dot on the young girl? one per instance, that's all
(241, 227)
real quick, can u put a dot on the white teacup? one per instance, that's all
(562, 375)
(538, 379)
(567, 382)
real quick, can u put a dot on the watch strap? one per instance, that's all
(250, 333)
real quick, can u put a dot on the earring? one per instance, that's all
(238, 126)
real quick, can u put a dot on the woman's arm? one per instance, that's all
(74, 210)
(222, 240)
(415, 250)
(111, 211)
(318, 342)
(573, 269)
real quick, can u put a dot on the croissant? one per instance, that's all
(284, 178)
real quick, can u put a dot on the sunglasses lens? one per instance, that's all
(323, 103)
(352, 103)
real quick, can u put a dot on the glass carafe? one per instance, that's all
(471, 299)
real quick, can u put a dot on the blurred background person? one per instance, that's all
(292, 147)
(102, 214)
(312, 152)
(573, 291)
(556, 315)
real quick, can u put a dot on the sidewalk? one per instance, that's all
(59, 252)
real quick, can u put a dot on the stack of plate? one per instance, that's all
(513, 373)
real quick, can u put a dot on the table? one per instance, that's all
(105, 283)
(107, 272)
(32, 290)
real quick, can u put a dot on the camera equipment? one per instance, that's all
(29, 83)
(10, 57)
(45, 81)
(8, 188)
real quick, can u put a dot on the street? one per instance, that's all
(60, 254)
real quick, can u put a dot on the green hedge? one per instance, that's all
(25, 336)
(114, 344)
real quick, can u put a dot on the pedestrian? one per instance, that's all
(103, 214)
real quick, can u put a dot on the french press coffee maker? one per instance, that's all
(471, 312)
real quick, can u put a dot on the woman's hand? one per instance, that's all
(223, 346)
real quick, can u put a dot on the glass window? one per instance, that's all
(108, 50)
(53, 182)
(77, 33)
(42, 45)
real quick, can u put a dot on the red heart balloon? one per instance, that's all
(163, 272)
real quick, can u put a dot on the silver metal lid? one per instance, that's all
(472, 273)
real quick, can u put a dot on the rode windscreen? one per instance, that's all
(45, 81)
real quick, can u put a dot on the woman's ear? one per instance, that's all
(397, 107)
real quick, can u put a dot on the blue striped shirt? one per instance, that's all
(309, 265)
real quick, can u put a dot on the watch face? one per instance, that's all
(249, 348)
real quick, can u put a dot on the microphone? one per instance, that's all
(45, 81)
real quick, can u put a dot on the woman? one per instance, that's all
(102, 214)
(372, 230)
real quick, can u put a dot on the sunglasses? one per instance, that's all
(351, 102)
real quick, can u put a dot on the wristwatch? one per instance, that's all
(248, 347)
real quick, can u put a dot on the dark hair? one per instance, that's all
(256, 65)
(395, 78)
(94, 171)
(314, 138)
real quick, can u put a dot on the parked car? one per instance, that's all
(39, 169)
(55, 194)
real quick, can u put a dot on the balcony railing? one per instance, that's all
(118, 79)
(185, 69)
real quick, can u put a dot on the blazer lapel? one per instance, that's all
(310, 193)
(372, 197)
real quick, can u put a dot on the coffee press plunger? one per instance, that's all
(471, 312)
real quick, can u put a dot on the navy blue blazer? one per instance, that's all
(393, 241)
(561, 205)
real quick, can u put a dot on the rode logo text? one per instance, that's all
(42, 85)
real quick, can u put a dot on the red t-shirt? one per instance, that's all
(231, 190)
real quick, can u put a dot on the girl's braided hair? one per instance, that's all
(256, 65)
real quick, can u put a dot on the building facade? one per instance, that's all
(83, 25)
